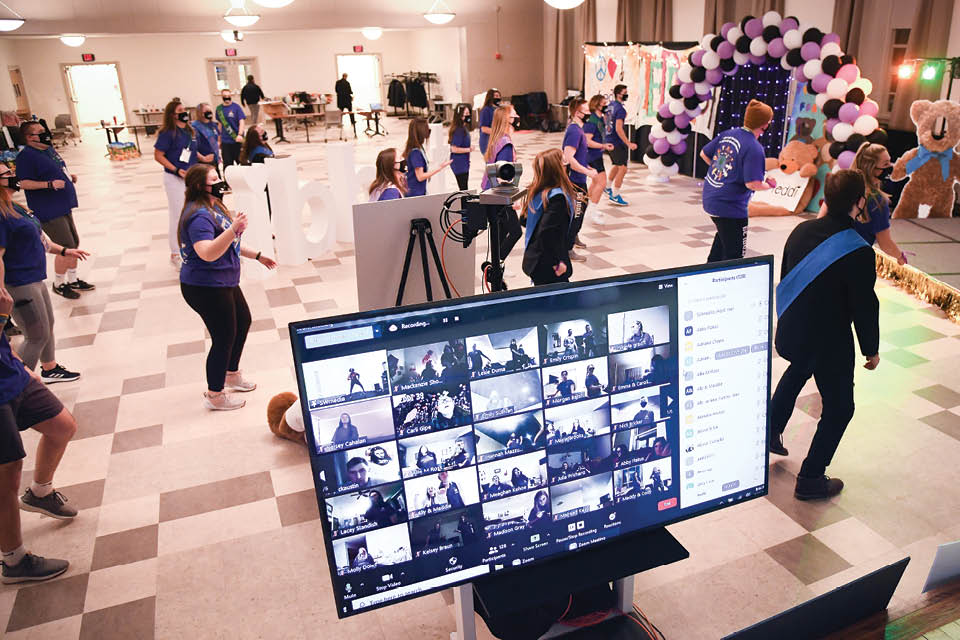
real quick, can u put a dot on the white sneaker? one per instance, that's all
(222, 402)
(236, 382)
(599, 218)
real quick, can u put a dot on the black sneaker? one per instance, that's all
(58, 374)
(66, 291)
(33, 569)
(81, 285)
(776, 445)
(817, 488)
(54, 504)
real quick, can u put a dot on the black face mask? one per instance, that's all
(885, 173)
(515, 122)
(227, 99)
(265, 137)
(45, 138)
(11, 182)
(496, 102)
(624, 97)
(467, 120)
(403, 166)
(218, 189)
(208, 115)
(183, 117)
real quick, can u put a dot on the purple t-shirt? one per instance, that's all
(229, 114)
(574, 138)
(172, 143)
(415, 187)
(594, 126)
(390, 193)
(486, 120)
(461, 161)
(222, 272)
(617, 112)
(737, 159)
(13, 377)
(44, 166)
(879, 210)
(24, 260)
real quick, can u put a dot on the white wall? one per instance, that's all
(606, 20)
(438, 50)
(953, 50)
(688, 20)
(8, 101)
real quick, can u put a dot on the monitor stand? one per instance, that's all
(617, 561)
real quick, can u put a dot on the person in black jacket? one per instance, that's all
(546, 258)
(816, 304)
(250, 96)
(345, 97)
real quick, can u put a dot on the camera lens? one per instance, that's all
(507, 172)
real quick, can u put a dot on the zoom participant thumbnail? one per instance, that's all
(377, 548)
(571, 340)
(445, 531)
(577, 421)
(434, 452)
(635, 369)
(641, 444)
(642, 406)
(444, 491)
(526, 513)
(581, 496)
(652, 480)
(368, 422)
(503, 352)
(579, 459)
(512, 475)
(506, 395)
(366, 509)
(346, 379)
(426, 366)
(423, 411)
(639, 329)
(362, 468)
(508, 436)
(574, 381)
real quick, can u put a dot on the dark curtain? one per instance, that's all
(769, 83)
(717, 12)
(848, 23)
(644, 20)
(928, 39)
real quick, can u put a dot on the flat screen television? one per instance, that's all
(463, 438)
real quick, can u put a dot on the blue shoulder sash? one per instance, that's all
(814, 263)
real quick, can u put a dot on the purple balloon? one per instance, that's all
(664, 110)
(849, 112)
(726, 28)
(714, 76)
(753, 28)
(830, 37)
(681, 120)
(705, 97)
(810, 51)
(819, 84)
(697, 57)
(845, 159)
(680, 148)
(661, 146)
(732, 71)
(799, 75)
(776, 48)
(830, 124)
(725, 50)
(787, 25)
(687, 90)
(757, 60)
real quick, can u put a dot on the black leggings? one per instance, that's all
(462, 180)
(227, 318)
(730, 242)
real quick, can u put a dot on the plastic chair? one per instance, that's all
(62, 129)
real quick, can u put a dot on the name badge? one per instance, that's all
(185, 155)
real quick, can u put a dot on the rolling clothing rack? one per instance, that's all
(411, 83)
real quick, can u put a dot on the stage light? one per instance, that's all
(372, 33)
(929, 71)
(73, 41)
(564, 4)
(905, 71)
(439, 13)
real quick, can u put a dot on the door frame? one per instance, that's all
(10, 69)
(365, 53)
(74, 118)
(212, 80)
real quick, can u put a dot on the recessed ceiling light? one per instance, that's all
(372, 33)
(11, 24)
(232, 37)
(73, 41)
(440, 13)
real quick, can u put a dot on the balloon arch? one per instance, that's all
(814, 57)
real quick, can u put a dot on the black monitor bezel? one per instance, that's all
(675, 272)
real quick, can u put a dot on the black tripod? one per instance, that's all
(421, 228)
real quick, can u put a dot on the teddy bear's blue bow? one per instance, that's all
(924, 155)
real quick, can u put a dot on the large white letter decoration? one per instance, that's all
(438, 152)
(294, 245)
(247, 184)
(343, 179)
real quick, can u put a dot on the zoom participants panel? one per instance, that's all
(724, 362)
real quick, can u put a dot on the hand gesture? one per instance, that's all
(268, 262)
(872, 362)
(239, 224)
(6, 302)
(73, 177)
(591, 172)
(771, 183)
(182, 173)
(58, 184)
(80, 254)
(632, 145)
(560, 268)
(446, 163)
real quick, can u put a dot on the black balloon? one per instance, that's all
(699, 74)
(856, 96)
(794, 18)
(812, 35)
(668, 124)
(795, 58)
(743, 23)
(651, 153)
(830, 65)
(772, 60)
(691, 102)
(878, 137)
(771, 33)
(659, 118)
(669, 158)
(728, 64)
(854, 141)
(831, 108)
(685, 130)
(836, 149)
(675, 92)
(848, 59)
(716, 42)
(743, 44)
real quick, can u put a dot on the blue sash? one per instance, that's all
(267, 153)
(815, 263)
(535, 212)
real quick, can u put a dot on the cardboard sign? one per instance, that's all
(787, 193)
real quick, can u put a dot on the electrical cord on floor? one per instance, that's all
(443, 262)
(647, 622)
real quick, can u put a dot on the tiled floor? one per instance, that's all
(202, 525)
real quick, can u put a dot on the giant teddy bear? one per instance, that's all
(933, 166)
(796, 156)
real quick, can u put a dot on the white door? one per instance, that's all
(95, 91)
(229, 74)
(363, 74)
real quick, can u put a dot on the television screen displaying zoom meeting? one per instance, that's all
(469, 437)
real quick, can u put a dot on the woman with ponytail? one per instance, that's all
(549, 205)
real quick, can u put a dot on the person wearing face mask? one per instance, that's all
(621, 144)
(873, 163)
(575, 155)
(490, 104)
(460, 147)
(255, 146)
(232, 119)
(208, 136)
(51, 196)
(593, 132)
(643, 415)
(389, 183)
(417, 171)
(500, 149)
(827, 282)
(549, 205)
(736, 161)
(176, 151)
(23, 268)
(209, 237)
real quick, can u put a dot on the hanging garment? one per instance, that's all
(416, 93)
(396, 95)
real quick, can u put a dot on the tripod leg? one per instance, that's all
(437, 263)
(406, 267)
(421, 231)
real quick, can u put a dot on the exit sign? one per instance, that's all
(230, 52)
(358, 48)
(87, 57)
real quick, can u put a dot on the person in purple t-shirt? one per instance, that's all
(460, 147)
(209, 238)
(617, 136)
(575, 157)
(490, 104)
(736, 170)
(416, 156)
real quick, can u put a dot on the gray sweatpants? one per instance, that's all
(35, 319)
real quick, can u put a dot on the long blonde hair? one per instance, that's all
(7, 209)
(548, 173)
(868, 155)
(498, 128)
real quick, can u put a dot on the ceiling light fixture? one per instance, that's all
(564, 4)
(11, 24)
(372, 33)
(440, 13)
(231, 36)
(273, 4)
(73, 41)
(242, 17)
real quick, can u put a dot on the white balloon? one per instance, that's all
(674, 137)
(734, 34)
(758, 46)
(710, 60)
(673, 169)
(705, 43)
(830, 49)
(786, 65)
(821, 99)
(702, 88)
(842, 131)
(772, 19)
(654, 164)
(684, 72)
(864, 125)
(812, 68)
(863, 84)
(793, 39)
(740, 58)
(656, 131)
(838, 88)
(676, 107)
